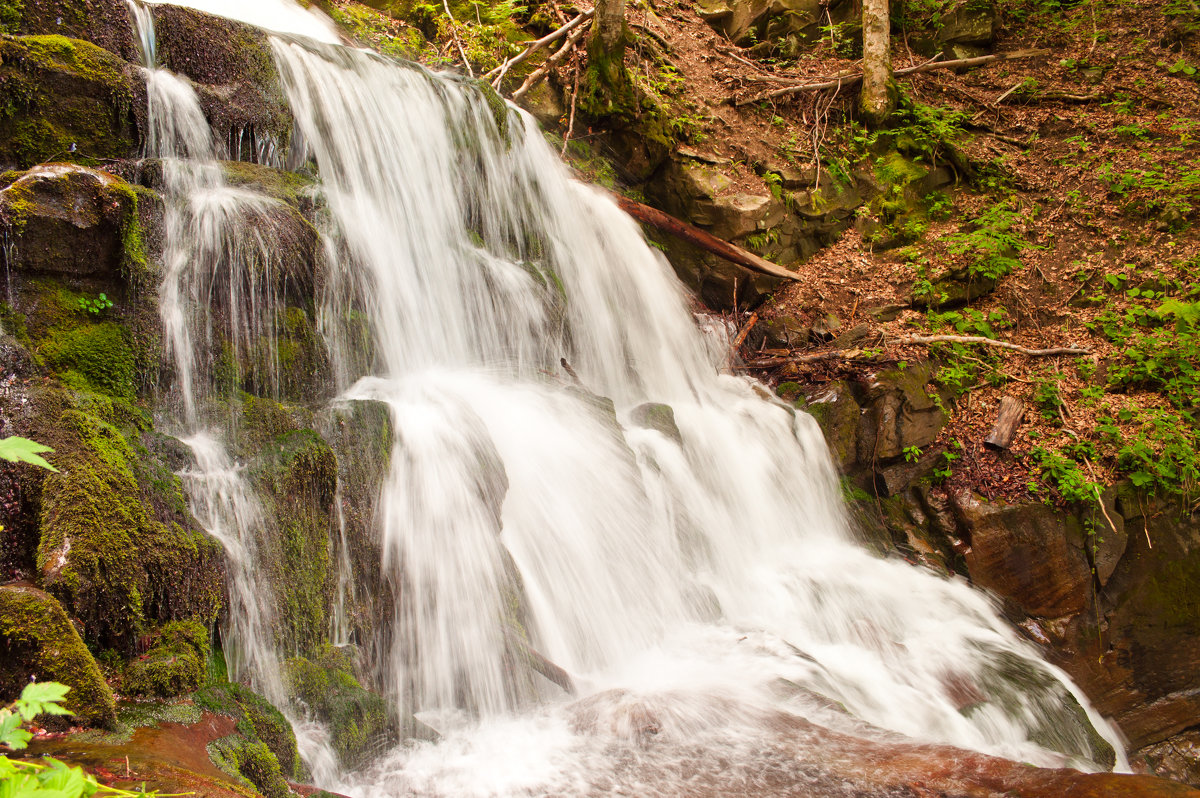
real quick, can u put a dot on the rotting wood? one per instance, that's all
(706, 241)
(740, 339)
(499, 72)
(1012, 410)
(930, 65)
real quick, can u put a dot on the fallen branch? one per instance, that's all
(534, 46)
(541, 71)
(979, 339)
(706, 241)
(928, 66)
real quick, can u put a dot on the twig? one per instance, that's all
(534, 46)
(457, 41)
(562, 361)
(931, 64)
(541, 71)
(571, 120)
(979, 339)
(1004, 96)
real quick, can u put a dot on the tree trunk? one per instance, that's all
(607, 89)
(877, 100)
(608, 28)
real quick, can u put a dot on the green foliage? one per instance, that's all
(912, 454)
(36, 699)
(176, 664)
(22, 450)
(1064, 474)
(992, 245)
(95, 305)
(1046, 395)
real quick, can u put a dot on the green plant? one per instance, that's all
(49, 778)
(22, 450)
(95, 305)
(992, 244)
(912, 454)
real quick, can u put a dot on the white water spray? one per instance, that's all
(694, 584)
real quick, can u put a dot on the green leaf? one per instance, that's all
(11, 733)
(40, 698)
(23, 450)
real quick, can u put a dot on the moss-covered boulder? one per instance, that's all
(116, 545)
(38, 641)
(176, 664)
(103, 22)
(73, 220)
(64, 99)
(234, 70)
(262, 752)
(358, 719)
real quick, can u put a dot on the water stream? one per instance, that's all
(698, 581)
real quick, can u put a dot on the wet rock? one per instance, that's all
(38, 641)
(853, 337)
(104, 23)
(1108, 543)
(1176, 758)
(359, 721)
(836, 411)
(73, 220)
(748, 21)
(655, 416)
(261, 753)
(899, 477)
(238, 85)
(1029, 554)
(67, 99)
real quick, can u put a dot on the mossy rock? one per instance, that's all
(358, 719)
(177, 664)
(73, 220)
(105, 23)
(64, 99)
(658, 417)
(93, 357)
(38, 640)
(115, 553)
(238, 86)
(258, 724)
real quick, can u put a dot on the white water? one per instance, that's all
(707, 584)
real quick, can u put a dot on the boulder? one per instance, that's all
(104, 23)
(898, 413)
(65, 99)
(176, 664)
(658, 417)
(1030, 554)
(38, 641)
(836, 411)
(237, 82)
(968, 22)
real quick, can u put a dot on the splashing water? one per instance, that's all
(662, 532)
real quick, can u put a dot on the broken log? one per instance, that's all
(1007, 420)
(532, 47)
(846, 81)
(706, 241)
(979, 339)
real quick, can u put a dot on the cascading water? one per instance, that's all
(661, 531)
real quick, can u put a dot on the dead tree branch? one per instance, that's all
(843, 81)
(979, 339)
(544, 69)
(499, 72)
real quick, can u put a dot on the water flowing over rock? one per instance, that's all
(478, 477)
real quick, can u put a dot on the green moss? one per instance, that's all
(93, 357)
(791, 391)
(106, 549)
(38, 639)
(176, 664)
(251, 763)
(11, 14)
(1171, 594)
(356, 717)
(62, 99)
(259, 724)
(498, 107)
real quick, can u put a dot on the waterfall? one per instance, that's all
(665, 532)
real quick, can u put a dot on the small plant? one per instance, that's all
(912, 454)
(22, 450)
(95, 306)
